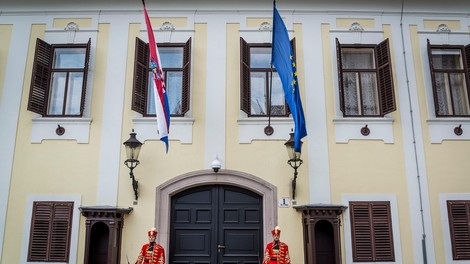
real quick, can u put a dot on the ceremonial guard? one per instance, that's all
(276, 252)
(151, 253)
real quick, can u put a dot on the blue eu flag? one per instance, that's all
(283, 60)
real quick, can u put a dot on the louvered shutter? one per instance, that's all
(385, 82)
(245, 96)
(85, 77)
(339, 62)
(361, 231)
(60, 232)
(467, 58)
(50, 231)
(433, 78)
(371, 229)
(40, 227)
(186, 76)
(141, 77)
(382, 231)
(459, 219)
(40, 79)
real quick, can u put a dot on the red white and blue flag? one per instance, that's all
(161, 99)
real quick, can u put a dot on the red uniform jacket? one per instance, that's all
(272, 255)
(155, 256)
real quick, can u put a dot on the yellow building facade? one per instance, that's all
(376, 184)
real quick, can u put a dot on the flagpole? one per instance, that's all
(269, 130)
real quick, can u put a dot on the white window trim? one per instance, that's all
(349, 128)
(252, 128)
(44, 128)
(395, 224)
(181, 129)
(443, 198)
(441, 129)
(73, 251)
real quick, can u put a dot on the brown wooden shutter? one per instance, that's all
(245, 96)
(50, 231)
(60, 233)
(459, 218)
(371, 229)
(339, 62)
(186, 76)
(361, 231)
(40, 79)
(433, 78)
(141, 77)
(382, 230)
(85, 77)
(467, 58)
(385, 82)
(39, 237)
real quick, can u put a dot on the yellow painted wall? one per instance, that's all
(5, 36)
(434, 24)
(346, 23)
(366, 166)
(252, 158)
(71, 168)
(63, 22)
(448, 173)
(177, 22)
(152, 157)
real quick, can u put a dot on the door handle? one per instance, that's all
(219, 247)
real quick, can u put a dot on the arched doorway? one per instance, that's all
(99, 244)
(216, 224)
(324, 241)
(250, 182)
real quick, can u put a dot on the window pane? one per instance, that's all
(258, 93)
(351, 93)
(369, 94)
(172, 57)
(260, 57)
(174, 87)
(443, 94)
(447, 59)
(74, 93)
(361, 58)
(174, 91)
(69, 58)
(56, 99)
(459, 94)
(151, 97)
(278, 105)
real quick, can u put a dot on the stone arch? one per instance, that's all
(165, 191)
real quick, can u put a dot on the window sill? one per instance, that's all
(44, 128)
(350, 129)
(441, 129)
(181, 128)
(252, 128)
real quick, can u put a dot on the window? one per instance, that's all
(365, 80)
(450, 79)
(459, 217)
(50, 232)
(255, 71)
(176, 62)
(58, 82)
(371, 231)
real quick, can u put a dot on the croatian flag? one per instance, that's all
(161, 99)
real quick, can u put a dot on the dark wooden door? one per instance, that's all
(216, 224)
